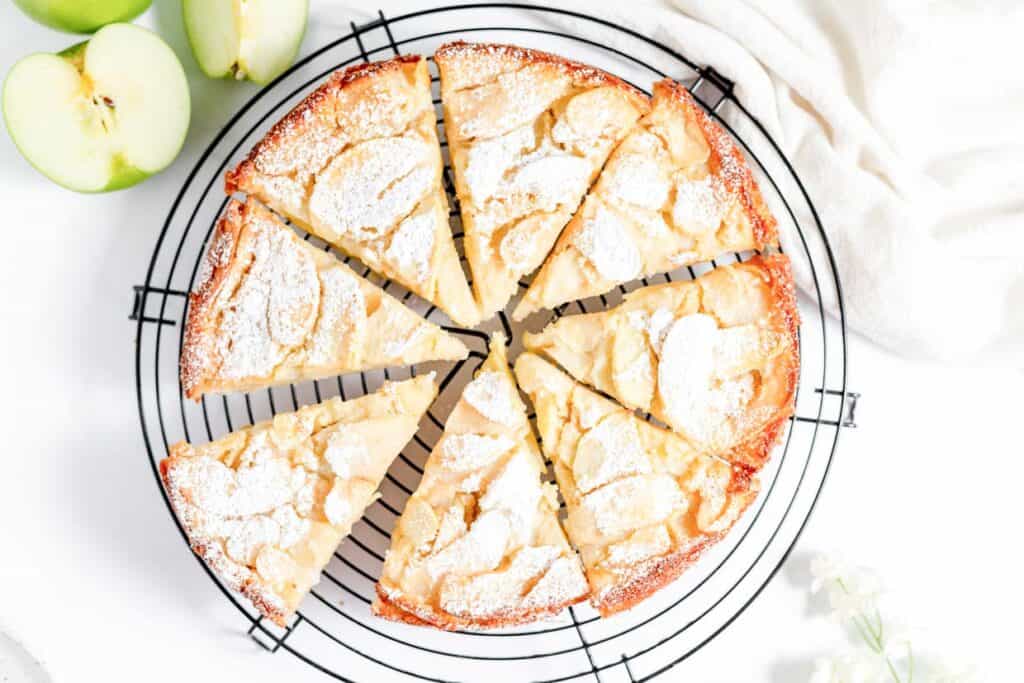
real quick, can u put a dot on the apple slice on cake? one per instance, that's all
(716, 358)
(479, 544)
(677, 191)
(527, 131)
(266, 506)
(358, 164)
(643, 504)
(273, 309)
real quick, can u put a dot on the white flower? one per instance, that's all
(854, 594)
(897, 639)
(860, 667)
(826, 569)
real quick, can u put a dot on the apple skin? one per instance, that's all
(82, 16)
(122, 173)
(214, 31)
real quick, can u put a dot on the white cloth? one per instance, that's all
(905, 121)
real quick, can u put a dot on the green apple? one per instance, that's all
(103, 114)
(254, 39)
(82, 16)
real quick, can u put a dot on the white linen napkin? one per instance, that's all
(905, 121)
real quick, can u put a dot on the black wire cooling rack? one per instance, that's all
(334, 631)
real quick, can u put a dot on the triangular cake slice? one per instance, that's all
(266, 506)
(677, 191)
(527, 132)
(715, 358)
(358, 163)
(643, 504)
(479, 544)
(272, 309)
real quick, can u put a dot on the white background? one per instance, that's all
(97, 583)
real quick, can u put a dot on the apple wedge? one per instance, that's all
(254, 39)
(102, 115)
(75, 16)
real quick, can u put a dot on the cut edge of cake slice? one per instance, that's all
(527, 132)
(358, 163)
(649, 213)
(479, 544)
(266, 506)
(717, 359)
(269, 308)
(642, 505)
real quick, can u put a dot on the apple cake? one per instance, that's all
(272, 309)
(266, 506)
(714, 358)
(677, 191)
(358, 163)
(643, 504)
(527, 132)
(479, 543)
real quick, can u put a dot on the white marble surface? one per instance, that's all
(96, 583)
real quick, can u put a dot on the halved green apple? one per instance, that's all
(101, 115)
(254, 39)
(81, 16)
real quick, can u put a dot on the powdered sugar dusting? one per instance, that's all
(342, 323)
(686, 371)
(608, 245)
(609, 451)
(272, 309)
(491, 395)
(468, 452)
(699, 205)
(479, 540)
(489, 160)
(366, 190)
(638, 180)
(248, 502)
(412, 246)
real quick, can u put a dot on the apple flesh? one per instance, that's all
(101, 115)
(82, 16)
(254, 39)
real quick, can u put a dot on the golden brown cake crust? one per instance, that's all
(755, 451)
(725, 154)
(396, 608)
(581, 74)
(664, 570)
(237, 179)
(264, 600)
(199, 326)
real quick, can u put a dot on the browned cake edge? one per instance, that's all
(754, 452)
(268, 604)
(581, 74)
(664, 570)
(194, 367)
(399, 609)
(726, 154)
(238, 179)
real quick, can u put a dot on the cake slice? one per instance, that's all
(715, 358)
(643, 504)
(527, 132)
(358, 164)
(677, 191)
(271, 309)
(479, 544)
(266, 506)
